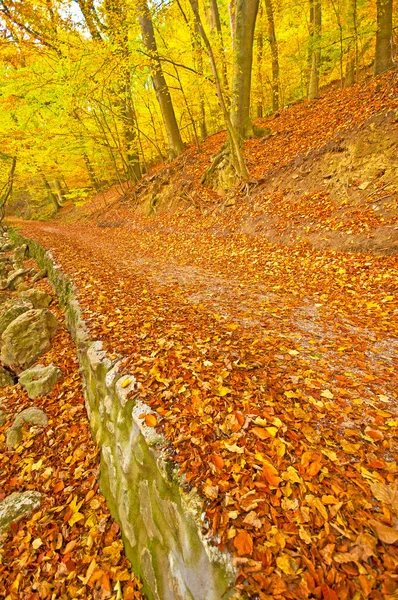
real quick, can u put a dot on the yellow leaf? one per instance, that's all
(326, 499)
(305, 536)
(330, 454)
(89, 572)
(327, 394)
(37, 543)
(75, 518)
(284, 563)
(291, 394)
(350, 448)
(126, 382)
(222, 390)
(272, 431)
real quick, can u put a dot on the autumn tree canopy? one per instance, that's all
(94, 93)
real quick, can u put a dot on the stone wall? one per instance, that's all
(159, 522)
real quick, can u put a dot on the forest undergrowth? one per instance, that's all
(270, 361)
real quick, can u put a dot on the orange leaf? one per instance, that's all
(105, 583)
(270, 474)
(58, 487)
(218, 461)
(243, 543)
(260, 433)
(314, 468)
(328, 593)
(150, 421)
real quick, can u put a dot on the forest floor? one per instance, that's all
(263, 327)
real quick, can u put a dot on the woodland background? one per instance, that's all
(85, 86)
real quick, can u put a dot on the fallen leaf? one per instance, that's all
(243, 543)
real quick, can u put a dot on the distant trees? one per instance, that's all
(101, 92)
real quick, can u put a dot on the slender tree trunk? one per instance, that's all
(316, 51)
(245, 21)
(215, 25)
(59, 192)
(159, 83)
(274, 54)
(383, 54)
(90, 172)
(130, 136)
(88, 12)
(51, 196)
(237, 156)
(337, 12)
(7, 190)
(352, 54)
(259, 74)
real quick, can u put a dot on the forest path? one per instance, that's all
(273, 370)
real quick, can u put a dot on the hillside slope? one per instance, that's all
(327, 174)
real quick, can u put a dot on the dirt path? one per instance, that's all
(273, 371)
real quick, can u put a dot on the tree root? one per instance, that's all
(222, 174)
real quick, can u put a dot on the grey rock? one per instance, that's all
(5, 378)
(20, 254)
(33, 416)
(40, 380)
(16, 278)
(3, 417)
(13, 437)
(38, 298)
(15, 310)
(28, 337)
(6, 247)
(18, 505)
(40, 275)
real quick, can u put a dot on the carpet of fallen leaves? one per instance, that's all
(270, 369)
(70, 547)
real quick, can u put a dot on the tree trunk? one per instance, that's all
(259, 75)
(233, 146)
(274, 54)
(245, 21)
(316, 51)
(215, 25)
(352, 52)
(383, 54)
(88, 12)
(130, 137)
(159, 83)
(90, 172)
(7, 190)
(51, 196)
(58, 191)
